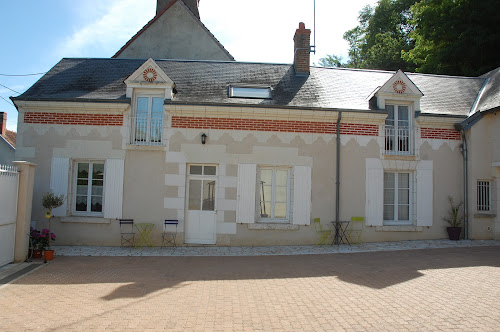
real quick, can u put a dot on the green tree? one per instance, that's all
(331, 61)
(455, 37)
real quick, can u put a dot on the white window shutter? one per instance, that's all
(374, 204)
(59, 177)
(113, 188)
(424, 193)
(247, 178)
(301, 195)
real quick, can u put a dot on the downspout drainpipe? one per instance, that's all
(466, 186)
(337, 183)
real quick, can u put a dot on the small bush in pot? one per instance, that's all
(454, 218)
(50, 201)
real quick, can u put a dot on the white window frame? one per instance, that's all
(149, 121)
(396, 131)
(483, 204)
(89, 189)
(271, 218)
(395, 221)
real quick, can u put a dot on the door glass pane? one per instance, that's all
(280, 194)
(265, 193)
(96, 204)
(266, 175)
(194, 202)
(156, 125)
(403, 180)
(403, 116)
(403, 212)
(195, 169)
(388, 212)
(265, 209)
(81, 203)
(208, 195)
(141, 119)
(83, 170)
(280, 210)
(389, 121)
(281, 177)
(388, 180)
(209, 170)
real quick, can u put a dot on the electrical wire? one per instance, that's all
(7, 101)
(10, 89)
(34, 74)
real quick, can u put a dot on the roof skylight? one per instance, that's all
(260, 92)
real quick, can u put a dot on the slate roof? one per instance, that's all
(490, 97)
(206, 82)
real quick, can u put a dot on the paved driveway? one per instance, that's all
(427, 290)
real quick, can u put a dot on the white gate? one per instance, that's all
(9, 180)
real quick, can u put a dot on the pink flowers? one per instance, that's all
(40, 240)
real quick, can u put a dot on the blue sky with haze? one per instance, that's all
(38, 34)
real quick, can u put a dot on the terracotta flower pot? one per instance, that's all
(37, 254)
(49, 255)
(454, 233)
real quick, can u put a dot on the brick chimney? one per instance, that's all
(3, 123)
(191, 4)
(301, 48)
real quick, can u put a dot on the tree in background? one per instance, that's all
(454, 37)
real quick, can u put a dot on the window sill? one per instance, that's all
(277, 227)
(409, 157)
(484, 215)
(146, 147)
(399, 228)
(85, 220)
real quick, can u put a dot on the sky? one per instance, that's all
(36, 35)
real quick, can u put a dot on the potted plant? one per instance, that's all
(35, 244)
(454, 218)
(50, 201)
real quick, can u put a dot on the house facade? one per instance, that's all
(7, 142)
(250, 153)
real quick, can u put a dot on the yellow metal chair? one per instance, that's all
(355, 229)
(324, 234)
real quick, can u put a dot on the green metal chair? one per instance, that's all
(355, 229)
(324, 234)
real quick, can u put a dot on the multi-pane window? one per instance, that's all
(397, 197)
(274, 193)
(483, 195)
(202, 186)
(89, 187)
(397, 130)
(147, 121)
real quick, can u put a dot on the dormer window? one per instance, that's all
(241, 91)
(398, 136)
(147, 120)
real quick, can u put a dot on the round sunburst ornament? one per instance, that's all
(150, 74)
(399, 86)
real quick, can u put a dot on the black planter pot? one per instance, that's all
(454, 233)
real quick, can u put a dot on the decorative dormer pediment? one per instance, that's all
(149, 76)
(399, 88)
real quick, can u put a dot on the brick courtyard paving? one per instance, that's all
(415, 290)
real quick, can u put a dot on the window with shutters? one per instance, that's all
(274, 194)
(397, 198)
(89, 188)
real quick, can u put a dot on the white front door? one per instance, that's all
(201, 204)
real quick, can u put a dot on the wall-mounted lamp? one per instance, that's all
(203, 138)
